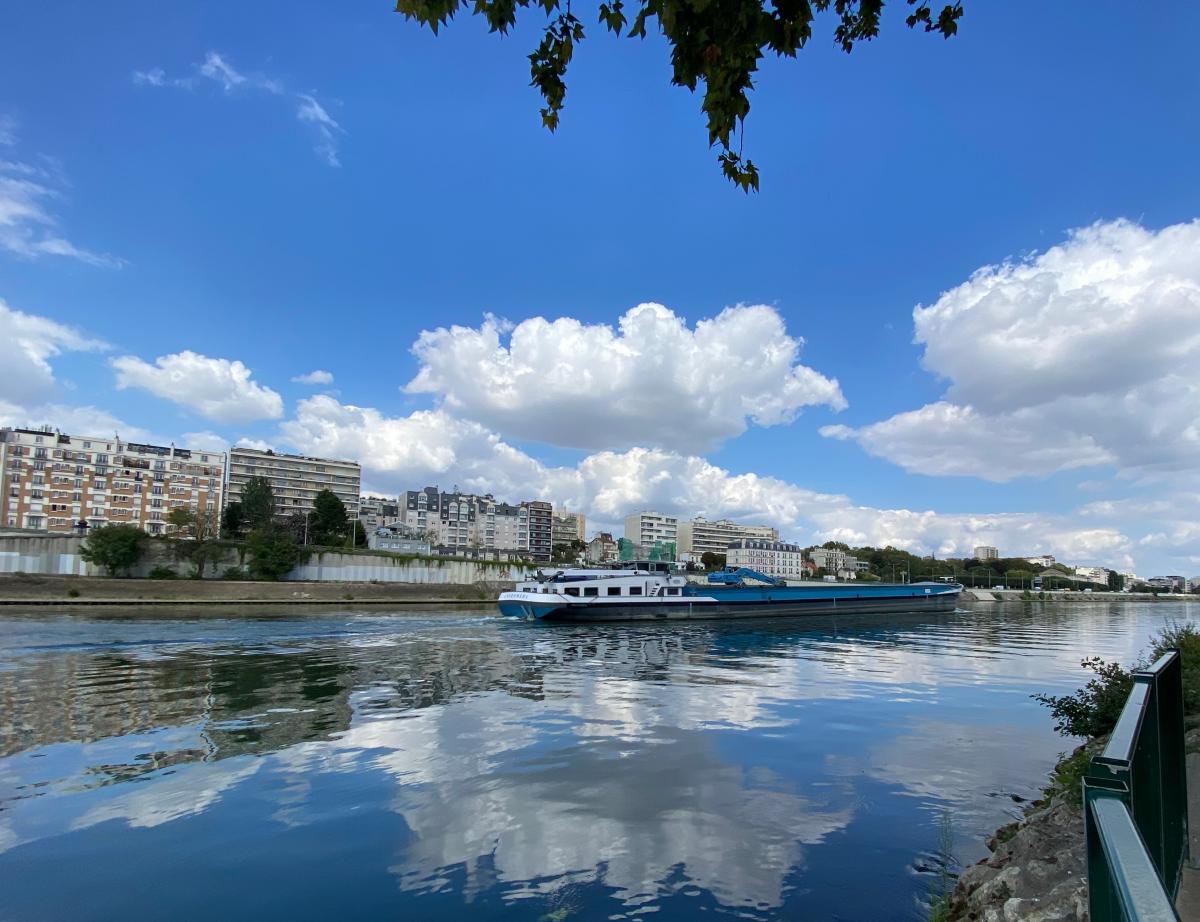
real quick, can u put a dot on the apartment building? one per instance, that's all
(601, 549)
(648, 528)
(568, 527)
(295, 479)
(536, 535)
(700, 536)
(56, 482)
(1045, 560)
(466, 521)
(836, 562)
(1093, 574)
(377, 512)
(986, 552)
(774, 558)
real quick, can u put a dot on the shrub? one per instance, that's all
(273, 553)
(234, 573)
(72, 593)
(1094, 709)
(161, 572)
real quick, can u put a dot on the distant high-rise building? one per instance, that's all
(700, 536)
(986, 552)
(295, 479)
(646, 528)
(568, 527)
(56, 482)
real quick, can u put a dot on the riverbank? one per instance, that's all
(26, 590)
(1037, 871)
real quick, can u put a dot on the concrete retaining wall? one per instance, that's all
(332, 566)
(58, 555)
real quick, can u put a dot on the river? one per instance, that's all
(365, 766)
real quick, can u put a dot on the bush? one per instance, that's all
(116, 548)
(273, 553)
(234, 573)
(1094, 709)
(72, 593)
(161, 572)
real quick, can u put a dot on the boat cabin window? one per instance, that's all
(571, 590)
(591, 590)
(635, 590)
(614, 590)
(672, 590)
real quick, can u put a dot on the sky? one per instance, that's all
(964, 308)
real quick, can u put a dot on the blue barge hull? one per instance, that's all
(708, 602)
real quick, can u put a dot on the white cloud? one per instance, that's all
(1086, 354)
(435, 447)
(314, 377)
(28, 228)
(313, 113)
(218, 69)
(652, 381)
(27, 343)
(205, 441)
(8, 131)
(85, 420)
(256, 444)
(219, 389)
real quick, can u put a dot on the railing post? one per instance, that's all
(1104, 905)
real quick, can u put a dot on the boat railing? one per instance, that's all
(1135, 803)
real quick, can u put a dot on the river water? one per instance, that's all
(444, 766)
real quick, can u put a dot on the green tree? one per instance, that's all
(202, 532)
(360, 534)
(183, 520)
(258, 503)
(273, 552)
(116, 548)
(718, 44)
(233, 519)
(712, 560)
(1116, 582)
(328, 524)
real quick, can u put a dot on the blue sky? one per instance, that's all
(306, 186)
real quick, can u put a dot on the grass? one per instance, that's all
(942, 888)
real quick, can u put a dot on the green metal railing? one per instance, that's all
(1135, 799)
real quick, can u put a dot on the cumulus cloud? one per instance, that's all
(28, 226)
(217, 68)
(652, 380)
(27, 343)
(205, 441)
(218, 389)
(314, 377)
(432, 446)
(1086, 354)
(84, 420)
(256, 444)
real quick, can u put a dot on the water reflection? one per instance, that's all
(524, 769)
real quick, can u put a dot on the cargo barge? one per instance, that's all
(655, 593)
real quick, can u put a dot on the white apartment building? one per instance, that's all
(466, 521)
(646, 528)
(56, 482)
(700, 536)
(295, 479)
(774, 558)
(986, 552)
(835, 562)
(1092, 574)
(1046, 560)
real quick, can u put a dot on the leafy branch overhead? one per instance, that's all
(717, 42)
